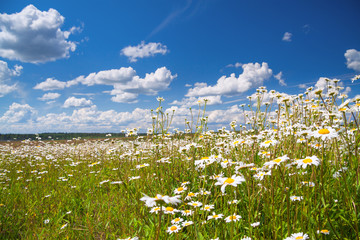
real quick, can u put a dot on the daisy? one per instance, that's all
(187, 223)
(195, 204)
(246, 238)
(323, 231)
(233, 201)
(177, 220)
(208, 207)
(268, 143)
(173, 229)
(142, 165)
(296, 198)
(169, 210)
(277, 161)
(233, 181)
(190, 195)
(255, 224)
(155, 210)
(308, 161)
(325, 133)
(298, 236)
(64, 226)
(233, 218)
(215, 216)
(260, 175)
(187, 212)
(180, 190)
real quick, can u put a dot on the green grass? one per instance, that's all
(70, 184)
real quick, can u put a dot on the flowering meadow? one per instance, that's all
(288, 168)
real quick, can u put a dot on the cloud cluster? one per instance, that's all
(143, 50)
(253, 75)
(353, 59)
(49, 96)
(287, 37)
(18, 113)
(77, 102)
(5, 77)
(34, 36)
(127, 84)
(194, 101)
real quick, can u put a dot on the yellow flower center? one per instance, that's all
(307, 160)
(299, 237)
(207, 207)
(267, 142)
(277, 160)
(142, 165)
(232, 217)
(324, 231)
(324, 131)
(302, 139)
(156, 209)
(229, 181)
(236, 142)
(342, 109)
(215, 216)
(173, 228)
(204, 158)
(180, 189)
(358, 104)
(226, 161)
(191, 194)
(194, 204)
(176, 219)
(169, 209)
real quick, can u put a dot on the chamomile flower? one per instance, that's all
(299, 236)
(296, 198)
(323, 231)
(215, 216)
(169, 210)
(260, 175)
(173, 229)
(255, 224)
(234, 180)
(177, 220)
(190, 195)
(155, 210)
(308, 161)
(233, 218)
(195, 204)
(246, 238)
(208, 207)
(325, 133)
(276, 162)
(187, 223)
(187, 212)
(180, 190)
(268, 143)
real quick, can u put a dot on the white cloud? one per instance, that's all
(302, 85)
(352, 59)
(124, 97)
(144, 50)
(50, 84)
(34, 36)
(77, 102)
(49, 96)
(235, 65)
(194, 101)
(18, 113)
(253, 75)
(5, 77)
(287, 37)
(279, 77)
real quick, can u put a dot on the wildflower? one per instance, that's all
(308, 161)
(255, 224)
(187, 212)
(169, 210)
(187, 223)
(190, 195)
(298, 236)
(215, 216)
(296, 198)
(233, 181)
(233, 218)
(260, 175)
(133, 178)
(177, 220)
(276, 162)
(180, 190)
(268, 143)
(246, 238)
(63, 226)
(310, 184)
(233, 201)
(155, 210)
(325, 133)
(173, 229)
(142, 165)
(46, 221)
(150, 202)
(208, 207)
(323, 231)
(195, 204)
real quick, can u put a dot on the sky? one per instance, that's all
(99, 66)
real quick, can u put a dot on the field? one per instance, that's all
(289, 171)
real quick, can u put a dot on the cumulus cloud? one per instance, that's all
(77, 102)
(144, 50)
(253, 75)
(235, 65)
(34, 36)
(124, 97)
(5, 77)
(352, 59)
(287, 37)
(279, 77)
(18, 113)
(193, 101)
(50, 84)
(49, 96)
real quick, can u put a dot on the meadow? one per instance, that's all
(288, 169)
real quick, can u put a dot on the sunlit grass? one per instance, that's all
(292, 173)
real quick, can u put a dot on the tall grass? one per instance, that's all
(297, 157)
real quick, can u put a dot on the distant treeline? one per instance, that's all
(57, 136)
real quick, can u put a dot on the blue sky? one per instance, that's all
(90, 66)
